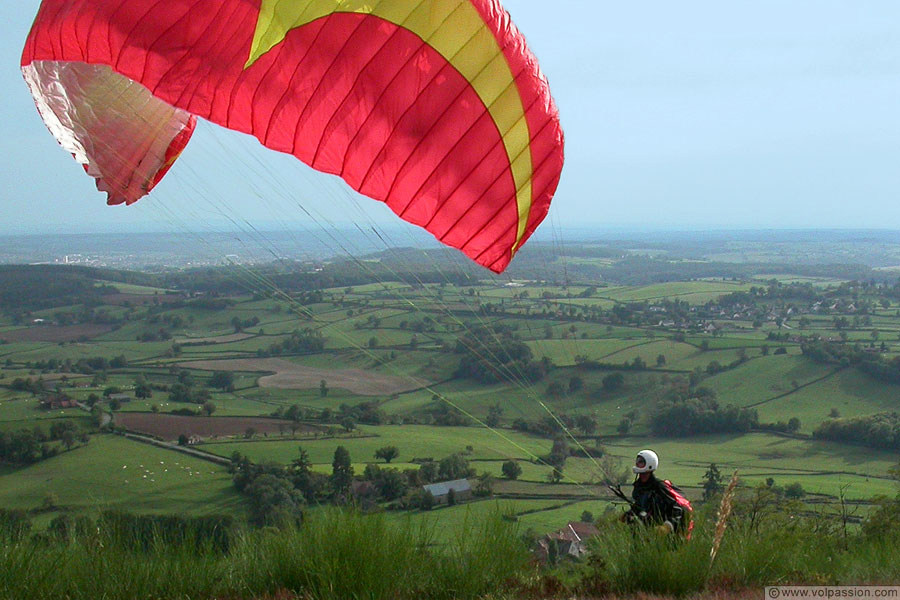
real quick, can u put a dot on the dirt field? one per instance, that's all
(54, 333)
(169, 427)
(291, 376)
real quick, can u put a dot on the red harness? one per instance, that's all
(683, 502)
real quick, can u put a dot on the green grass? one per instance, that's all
(107, 474)
(131, 288)
(556, 518)
(764, 377)
(694, 292)
(852, 393)
(674, 352)
(563, 352)
(334, 555)
(821, 467)
(447, 521)
(28, 409)
(413, 441)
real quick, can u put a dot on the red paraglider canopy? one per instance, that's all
(435, 107)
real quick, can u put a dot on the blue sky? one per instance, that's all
(739, 114)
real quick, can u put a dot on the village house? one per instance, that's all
(120, 397)
(58, 401)
(441, 490)
(570, 541)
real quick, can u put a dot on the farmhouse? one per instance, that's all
(120, 397)
(56, 401)
(441, 490)
(570, 541)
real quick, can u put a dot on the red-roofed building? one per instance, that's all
(58, 401)
(569, 541)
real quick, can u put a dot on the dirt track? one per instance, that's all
(291, 376)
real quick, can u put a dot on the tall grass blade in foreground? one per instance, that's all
(722, 517)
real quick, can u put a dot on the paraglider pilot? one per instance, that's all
(656, 502)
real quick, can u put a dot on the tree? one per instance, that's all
(143, 391)
(493, 416)
(249, 433)
(97, 416)
(576, 383)
(68, 438)
(587, 517)
(323, 388)
(794, 490)
(341, 471)
(387, 453)
(586, 423)
(273, 501)
(209, 408)
(624, 426)
(373, 342)
(613, 382)
(454, 467)
(348, 424)
(485, 485)
(555, 389)
(661, 360)
(428, 472)
(613, 470)
(451, 497)
(555, 475)
(223, 380)
(183, 439)
(511, 470)
(712, 482)
(793, 424)
(425, 500)
(391, 484)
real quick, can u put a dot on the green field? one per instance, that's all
(111, 472)
(413, 441)
(676, 329)
(821, 467)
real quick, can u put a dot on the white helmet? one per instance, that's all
(646, 462)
